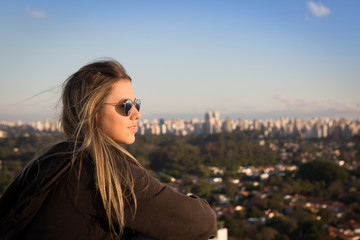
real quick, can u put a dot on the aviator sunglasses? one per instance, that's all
(127, 105)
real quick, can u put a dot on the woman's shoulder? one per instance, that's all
(41, 174)
(28, 191)
(50, 165)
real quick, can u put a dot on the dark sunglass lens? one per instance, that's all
(137, 104)
(127, 108)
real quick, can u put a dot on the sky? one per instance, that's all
(246, 59)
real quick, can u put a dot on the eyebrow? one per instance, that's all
(125, 99)
(128, 99)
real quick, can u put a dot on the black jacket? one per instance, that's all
(53, 200)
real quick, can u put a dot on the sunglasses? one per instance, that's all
(127, 105)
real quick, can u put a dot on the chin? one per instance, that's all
(127, 141)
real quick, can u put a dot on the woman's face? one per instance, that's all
(112, 120)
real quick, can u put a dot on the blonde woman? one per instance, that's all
(88, 186)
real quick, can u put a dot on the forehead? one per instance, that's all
(122, 89)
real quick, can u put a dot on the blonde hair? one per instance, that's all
(83, 97)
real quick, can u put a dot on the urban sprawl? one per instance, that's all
(259, 197)
(280, 127)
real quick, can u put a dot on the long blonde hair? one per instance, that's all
(83, 97)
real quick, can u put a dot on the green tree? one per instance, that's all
(5, 179)
(311, 229)
(254, 212)
(178, 156)
(229, 188)
(267, 233)
(283, 225)
(327, 215)
(204, 189)
(322, 171)
(276, 201)
(235, 226)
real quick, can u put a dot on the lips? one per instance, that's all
(133, 128)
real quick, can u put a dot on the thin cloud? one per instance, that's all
(316, 106)
(36, 13)
(291, 102)
(318, 9)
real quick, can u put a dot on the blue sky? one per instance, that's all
(246, 59)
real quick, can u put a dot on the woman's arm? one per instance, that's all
(164, 213)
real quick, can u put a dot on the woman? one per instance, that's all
(88, 186)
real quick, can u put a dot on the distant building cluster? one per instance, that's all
(281, 127)
(45, 125)
(212, 124)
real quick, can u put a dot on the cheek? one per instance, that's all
(114, 127)
(104, 121)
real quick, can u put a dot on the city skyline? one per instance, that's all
(245, 59)
(213, 123)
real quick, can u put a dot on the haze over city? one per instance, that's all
(245, 59)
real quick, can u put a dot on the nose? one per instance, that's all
(135, 114)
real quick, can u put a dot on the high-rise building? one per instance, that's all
(212, 122)
(209, 123)
(217, 122)
(228, 125)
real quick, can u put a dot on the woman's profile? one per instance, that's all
(88, 186)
